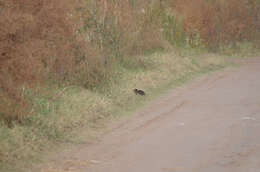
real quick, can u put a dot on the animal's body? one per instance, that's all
(139, 92)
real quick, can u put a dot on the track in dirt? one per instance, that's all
(210, 125)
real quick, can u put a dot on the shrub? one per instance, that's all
(67, 42)
(219, 22)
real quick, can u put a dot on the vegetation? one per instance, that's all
(70, 64)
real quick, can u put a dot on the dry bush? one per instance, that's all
(44, 40)
(79, 41)
(121, 27)
(36, 42)
(141, 29)
(219, 22)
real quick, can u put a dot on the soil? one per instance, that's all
(210, 125)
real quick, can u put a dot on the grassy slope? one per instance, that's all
(56, 122)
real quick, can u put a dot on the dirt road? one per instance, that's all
(210, 125)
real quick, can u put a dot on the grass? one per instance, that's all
(241, 49)
(58, 121)
(95, 47)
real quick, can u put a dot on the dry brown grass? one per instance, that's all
(80, 42)
(34, 36)
(38, 43)
(48, 43)
(43, 40)
(219, 22)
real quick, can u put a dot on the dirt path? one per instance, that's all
(210, 125)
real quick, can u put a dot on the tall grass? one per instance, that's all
(48, 46)
(220, 22)
(69, 43)
(82, 42)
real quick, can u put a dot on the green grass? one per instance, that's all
(80, 109)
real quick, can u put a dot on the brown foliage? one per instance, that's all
(121, 26)
(75, 40)
(220, 21)
(36, 39)
(43, 40)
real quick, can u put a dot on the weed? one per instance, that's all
(96, 49)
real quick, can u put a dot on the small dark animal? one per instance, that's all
(139, 92)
